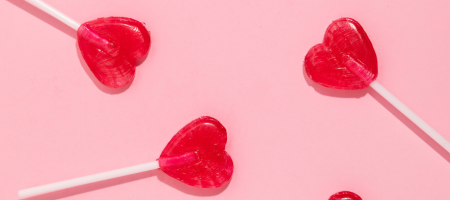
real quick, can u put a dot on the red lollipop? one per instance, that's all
(345, 195)
(346, 60)
(195, 155)
(110, 46)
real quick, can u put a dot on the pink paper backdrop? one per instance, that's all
(239, 61)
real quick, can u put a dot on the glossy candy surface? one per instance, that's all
(345, 60)
(196, 154)
(111, 46)
(345, 195)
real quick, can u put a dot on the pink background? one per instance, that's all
(239, 61)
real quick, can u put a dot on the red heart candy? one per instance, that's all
(196, 154)
(345, 195)
(345, 60)
(111, 46)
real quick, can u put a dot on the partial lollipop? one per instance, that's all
(346, 60)
(345, 195)
(110, 46)
(195, 155)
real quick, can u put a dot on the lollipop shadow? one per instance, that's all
(94, 79)
(333, 92)
(93, 186)
(44, 17)
(191, 190)
(413, 127)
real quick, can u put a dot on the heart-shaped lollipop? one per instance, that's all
(195, 155)
(345, 195)
(110, 46)
(345, 59)
(201, 146)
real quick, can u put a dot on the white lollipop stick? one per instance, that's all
(55, 13)
(87, 179)
(411, 115)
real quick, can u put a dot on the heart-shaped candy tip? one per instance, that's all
(196, 154)
(111, 46)
(346, 58)
(345, 195)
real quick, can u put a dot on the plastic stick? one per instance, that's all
(411, 115)
(55, 13)
(87, 179)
